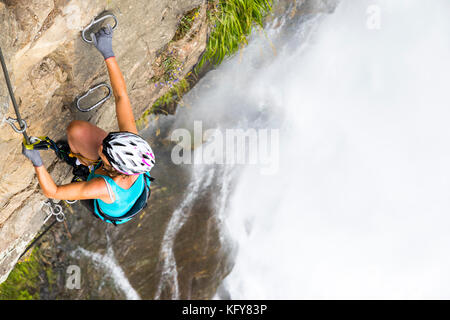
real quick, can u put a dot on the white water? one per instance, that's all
(201, 180)
(360, 207)
(108, 263)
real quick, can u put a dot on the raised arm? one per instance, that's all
(124, 112)
(103, 42)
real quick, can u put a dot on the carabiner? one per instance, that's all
(23, 125)
(54, 210)
(89, 92)
(38, 143)
(95, 21)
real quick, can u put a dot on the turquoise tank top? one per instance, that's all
(124, 198)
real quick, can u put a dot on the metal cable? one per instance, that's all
(19, 119)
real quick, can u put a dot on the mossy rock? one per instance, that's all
(23, 281)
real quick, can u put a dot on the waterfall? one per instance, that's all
(359, 206)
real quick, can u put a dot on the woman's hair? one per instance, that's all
(111, 172)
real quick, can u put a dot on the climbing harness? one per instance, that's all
(11, 121)
(45, 143)
(79, 156)
(41, 143)
(54, 209)
(94, 22)
(100, 102)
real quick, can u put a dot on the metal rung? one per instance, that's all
(89, 92)
(23, 125)
(95, 21)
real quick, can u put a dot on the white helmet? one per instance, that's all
(128, 153)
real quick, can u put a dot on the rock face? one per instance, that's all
(50, 65)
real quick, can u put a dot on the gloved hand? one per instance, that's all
(103, 41)
(33, 155)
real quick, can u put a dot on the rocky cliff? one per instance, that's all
(50, 66)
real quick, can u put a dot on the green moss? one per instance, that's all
(186, 23)
(51, 277)
(142, 122)
(170, 68)
(23, 281)
(173, 96)
(166, 103)
(233, 21)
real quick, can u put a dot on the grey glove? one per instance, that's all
(103, 41)
(33, 155)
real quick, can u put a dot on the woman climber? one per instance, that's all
(117, 185)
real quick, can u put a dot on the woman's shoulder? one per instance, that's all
(96, 182)
(98, 186)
